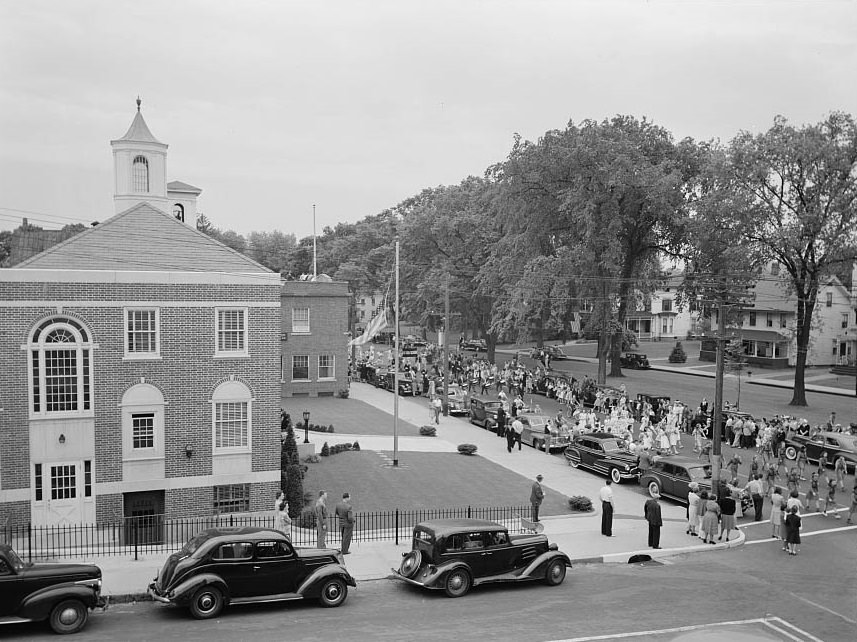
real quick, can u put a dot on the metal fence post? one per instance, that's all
(397, 527)
(468, 512)
(136, 538)
(29, 541)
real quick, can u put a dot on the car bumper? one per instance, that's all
(156, 596)
(103, 602)
(399, 576)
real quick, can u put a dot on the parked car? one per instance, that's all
(537, 435)
(475, 345)
(62, 594)
(634, 361)
(459, 401)
(455, 555)
(671, 476)
(386, 381)
(483, 412)
(835, 444)
(602, 453)
(222, 566)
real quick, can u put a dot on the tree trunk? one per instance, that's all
(603, 343)
(490, 346)
(805, 308)
(616, 339)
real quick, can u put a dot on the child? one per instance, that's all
(831, 499)
(792, 530)
(793, 483)
(813, 492)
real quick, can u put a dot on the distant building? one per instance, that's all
(660, 316)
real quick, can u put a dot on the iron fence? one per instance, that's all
(155, 534)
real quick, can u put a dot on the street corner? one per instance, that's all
(674, 551)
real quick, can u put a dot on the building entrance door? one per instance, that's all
(144, 517)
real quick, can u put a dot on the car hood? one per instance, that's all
(623, 456)
(317, 554)
(70, 572)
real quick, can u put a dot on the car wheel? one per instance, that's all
(791, 453)
(615, 476)
(411, 563)
(555, 573)
(206, 603)
(69, 616)
(457, 583)
(333, 592)
(574, 461)
(654, 488)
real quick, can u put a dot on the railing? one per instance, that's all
(155, 534)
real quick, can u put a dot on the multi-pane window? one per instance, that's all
(325, 366)
(300, 367)
(63, 482)
(230, 424)
(140, 175)
(38, 482)
(141, 331)
(143, 430)
(87, 478)
(828, 299)
(60, 368)
(300, 320)
(782, 320)
(769, 319)
(844, 321)
(667, 305)
(752, 318)
(232, 330)
(233, 498)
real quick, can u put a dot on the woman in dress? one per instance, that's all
(282, 521)
(711, 520)
(792, 531)
(697, 438)
(692, 509)
(727, 505)
(777, 503)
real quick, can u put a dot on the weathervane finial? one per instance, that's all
(138, 102)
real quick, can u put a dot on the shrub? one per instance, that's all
(311, 459)
(428, 431)
(294, 489)
(330, 428)
(580, 503)
(307, 518)
(355, 446)
(466, 449)
(678, 354)
(342, 393)
(325, 450)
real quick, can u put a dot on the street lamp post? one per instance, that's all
(306, 426)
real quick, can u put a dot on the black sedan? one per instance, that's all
(834, 444)
(221, 566)
(603, 453)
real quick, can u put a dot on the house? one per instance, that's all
(660, 316)
(314, 337)
(139, 365)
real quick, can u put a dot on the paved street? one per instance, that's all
(814, 591)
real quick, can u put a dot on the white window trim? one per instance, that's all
(245, 352)
(308, 322)
(332, 367)
(293, 380)
(155, 406)
(137, 356)
(232, 398)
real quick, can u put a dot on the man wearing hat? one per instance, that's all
(537, 494)
(652, 513)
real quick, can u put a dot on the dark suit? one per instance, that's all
(537, 494)
(652, 512)
(345, 513)
(501, 421)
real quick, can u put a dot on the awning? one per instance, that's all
(757, 335)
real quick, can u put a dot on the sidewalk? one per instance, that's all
(579, 535)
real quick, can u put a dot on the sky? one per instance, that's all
(354, 106)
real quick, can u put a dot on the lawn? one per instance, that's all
(423, 481)
(348, 416)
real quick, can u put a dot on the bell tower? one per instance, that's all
(139, 167)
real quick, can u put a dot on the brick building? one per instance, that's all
(314, 337)
(139, 370)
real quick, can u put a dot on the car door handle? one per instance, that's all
(256, 568)
(487, 553)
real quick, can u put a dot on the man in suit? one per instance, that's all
(321, 518)
(537, 494)
(652, 513)
(345, 513)
(501, 422)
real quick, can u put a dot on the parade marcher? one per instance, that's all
(831, 499)
(802, 462)
(770, 478)
(537, 494)
(822, 463)
(778, 502)
(733, 465)
(754, 487)
(792, 479)
(652, 513)
(793, 523)
(840, 469)
(853, 501)
(813, 493)
(606, 496)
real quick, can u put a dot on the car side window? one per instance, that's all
(818, 439)
(234, 551)
(454, 543)
(272, 550)
(832, 442)
(500, 538)
(668, 469)
(474, 541)
(681, 473)
(4, 568)
(596, 445)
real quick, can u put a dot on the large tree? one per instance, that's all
(801, 182)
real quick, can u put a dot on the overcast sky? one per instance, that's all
(270, 107)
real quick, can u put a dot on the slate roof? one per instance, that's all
(179, 186)
(143, 238)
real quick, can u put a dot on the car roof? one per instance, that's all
(601, 434)
(687, 462)
(246, 533)
(444, 527)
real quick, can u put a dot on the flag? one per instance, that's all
(378, 323)
(575, 322)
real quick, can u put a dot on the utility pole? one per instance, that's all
(446, 326)
(396, 344)
(718, 399)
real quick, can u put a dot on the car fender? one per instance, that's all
(38, 605)
(619, 463)
(311, 586)
(537, 567)
(438, 578)
(185, 590)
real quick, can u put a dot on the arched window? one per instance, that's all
(140, 174)
(178, 211)
(60, 368)
(232, 417)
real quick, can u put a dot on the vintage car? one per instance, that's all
(483, 412)
(671, 476)
(386, 381)
(455, 555)
(654, 401)
(603, 453)
(556, 353)
(475, 345)
(537, 434)
(244, 565)
(835, 444)
(634, 361)
(62, 594)
(610, 394)
(458, 400)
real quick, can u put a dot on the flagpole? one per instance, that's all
(396, 375)
(314, 265)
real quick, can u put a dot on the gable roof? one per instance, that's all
(179, 186)
(143, 238)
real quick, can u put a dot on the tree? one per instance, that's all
(801, 184)
(271, 249)
(292, 473)
(229, 237)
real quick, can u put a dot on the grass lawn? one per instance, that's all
(348, 416)
(424, 480)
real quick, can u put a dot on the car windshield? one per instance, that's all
(492, 404)
(536, 421)
(193, 544)
(700, 472)
(610, 445)
(15, 561)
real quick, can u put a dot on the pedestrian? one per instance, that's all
(345, 512)
(692, 509)
(282, 521)
(793, 523)
(518, 429)
(727, 514)
(822, 463)
(501, 421)
(754, 487)
(777, 504)
(710, 520)
(537, 494)
(321, 518)
(733, 465)
(644, 463)
(652, 513)
(802, 462)
(853, 500)
(436, 407)
(700, 514)
(794, 501)
(606, 495)
(510, 438)
(831, 499)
